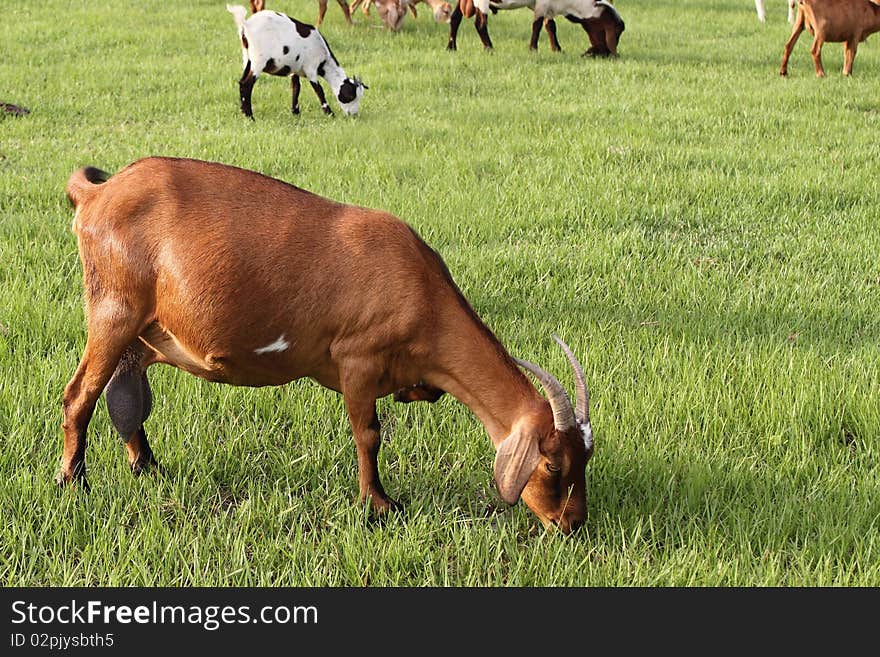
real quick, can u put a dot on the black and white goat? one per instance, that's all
(274, 43)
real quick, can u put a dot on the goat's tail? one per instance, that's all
(239, 13)
(82, 184)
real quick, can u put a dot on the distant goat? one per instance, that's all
(599, 19)
(762, 14)
(277, 44)
(239, 278)
(442, 10)
(847, 21)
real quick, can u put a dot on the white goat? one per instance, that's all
(274, 43)
(762, 13)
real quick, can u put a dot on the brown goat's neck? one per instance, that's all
(478, 371)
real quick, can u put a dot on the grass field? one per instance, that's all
(701, 231)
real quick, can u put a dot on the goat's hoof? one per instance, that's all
(384, 505)
(144, 463)
(64, 479)
(451, 47)
(295, 110)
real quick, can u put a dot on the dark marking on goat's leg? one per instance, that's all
(319, 90)
(365, 426)
(536, 33)
(110, 332)
(418, 392)
(129, 402)
(550, 26)
(345, 10)
(598, 39)
(612, 38)
(294, 89)
(454, 22)
(481, 23)
(245, 88)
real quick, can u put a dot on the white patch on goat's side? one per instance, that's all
(587, 433)
(279, 345)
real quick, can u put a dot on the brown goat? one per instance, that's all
(847, 21)
(239, 278)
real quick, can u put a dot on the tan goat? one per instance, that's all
(847, 21)
(243, 279)
(442, 10)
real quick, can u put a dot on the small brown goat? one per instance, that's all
(243, 279)
(847, 21)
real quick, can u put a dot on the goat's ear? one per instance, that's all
(515, 461)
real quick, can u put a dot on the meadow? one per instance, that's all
(702, 232)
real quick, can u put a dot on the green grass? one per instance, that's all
(701, 231)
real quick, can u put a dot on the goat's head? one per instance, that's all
(350, 93)
(392, 13)
(544, 457)
(443, 12)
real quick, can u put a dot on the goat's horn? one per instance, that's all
(563, 414)
(582, 397)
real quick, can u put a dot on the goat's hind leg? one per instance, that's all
(111, 330)
(245, 88)
(129, 402)
(789, 45)
(294, 90)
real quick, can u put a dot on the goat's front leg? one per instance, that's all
(345, 10)
(245, 88)
(129, 402)
(322, 9)
(365, 426)
(536, 33)
(454, 22)
(816, 52)
(294, 89)
(550, 26)
(481, 23)
(319, 91)
(789, 45)
(849, 54)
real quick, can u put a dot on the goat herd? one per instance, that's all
(276, 44)
(239, 278)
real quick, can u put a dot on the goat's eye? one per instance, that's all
(552, 468)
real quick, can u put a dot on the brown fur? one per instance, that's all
(847, 21)
(201, 265)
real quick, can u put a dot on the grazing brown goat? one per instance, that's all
(243, 279)
(847, 21)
